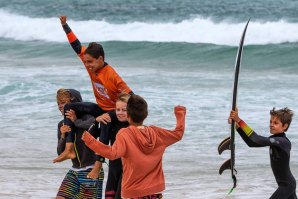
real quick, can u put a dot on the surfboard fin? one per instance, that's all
(224, 145)
(226, 165)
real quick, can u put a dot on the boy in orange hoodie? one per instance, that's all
(141, 149)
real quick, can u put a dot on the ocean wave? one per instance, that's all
(197, 30)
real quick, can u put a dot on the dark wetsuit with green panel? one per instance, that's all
(280, 147)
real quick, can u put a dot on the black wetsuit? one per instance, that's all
(280, 147)
(108, 135)
(84, 155)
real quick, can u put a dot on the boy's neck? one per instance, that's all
(278, 133)
(138, 125)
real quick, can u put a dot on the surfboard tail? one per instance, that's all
(229, 165)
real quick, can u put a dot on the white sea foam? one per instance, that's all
(197, 30)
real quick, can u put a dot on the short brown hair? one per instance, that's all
(285, 115)
(137, 109)
(95, 50)
(63, 95)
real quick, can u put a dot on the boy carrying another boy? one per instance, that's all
(85, 178)
(141, 149)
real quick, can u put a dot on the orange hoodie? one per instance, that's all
(141, 151)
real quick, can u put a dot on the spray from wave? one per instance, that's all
(197, 30)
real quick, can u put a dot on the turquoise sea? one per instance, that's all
(169, 52)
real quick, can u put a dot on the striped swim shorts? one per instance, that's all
(76, 185)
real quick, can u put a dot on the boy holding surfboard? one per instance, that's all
(280, 147)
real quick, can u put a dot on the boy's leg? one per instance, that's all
(284, 192)
(118, 191)
(69, 186)
(83, 108)
(68, 153)
(153, 196)
(105, 132)
(111, 185)
(80, 108)
(110, 194)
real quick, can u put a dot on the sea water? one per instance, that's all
(169, 52)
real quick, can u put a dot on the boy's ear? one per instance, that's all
(100, 58)
(285, 126)
(128, 119)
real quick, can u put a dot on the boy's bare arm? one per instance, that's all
(111, 152)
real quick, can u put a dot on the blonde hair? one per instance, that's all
(63, 95)
(123, 97)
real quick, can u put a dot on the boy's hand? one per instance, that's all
(71, 114)
(104, 118)
(94, 173)
(234, 116)
(64, 129)
(63, 19)
(180, 108)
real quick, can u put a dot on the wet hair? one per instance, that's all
(137, 109)
(95, 50)
(123, 97)
(285, 115)
(63, 95)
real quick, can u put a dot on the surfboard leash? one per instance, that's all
(234, 186)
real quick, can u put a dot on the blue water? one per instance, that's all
(170, 53)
